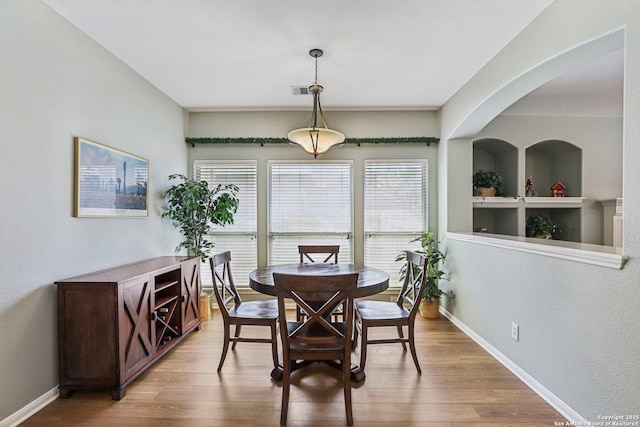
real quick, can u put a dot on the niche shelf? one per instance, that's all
(551, 161)
(546, 162)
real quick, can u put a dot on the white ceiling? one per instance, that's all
(231, 55)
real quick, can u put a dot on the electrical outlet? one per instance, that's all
(515, 331)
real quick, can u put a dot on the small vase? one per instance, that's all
(430, 309)
(484, 192)
(543, 236)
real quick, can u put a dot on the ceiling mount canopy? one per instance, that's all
(313, 139)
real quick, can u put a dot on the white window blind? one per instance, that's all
(240, 237)
(310, 203)
(395, 211)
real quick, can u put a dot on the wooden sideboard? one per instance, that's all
(113, 324)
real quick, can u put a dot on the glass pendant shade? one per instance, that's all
(313, 139)
(316, 140)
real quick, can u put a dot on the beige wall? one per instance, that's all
(276, 124)
(578, 322)
(56, 83)
(353, 124)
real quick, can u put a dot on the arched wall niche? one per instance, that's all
(546, 163)
(499, 156)
(552, 161)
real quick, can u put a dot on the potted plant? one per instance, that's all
(430, 302)
(487, 183)
(195, 209)
(540, 227)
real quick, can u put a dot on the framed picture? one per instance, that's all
(109, 182)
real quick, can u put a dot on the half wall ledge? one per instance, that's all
(604, 256)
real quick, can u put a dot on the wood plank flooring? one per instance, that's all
(461, 386)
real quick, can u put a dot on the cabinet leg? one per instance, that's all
(118, 393)
(65, 393)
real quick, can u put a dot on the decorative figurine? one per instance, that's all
(529, 189)
(558, 190)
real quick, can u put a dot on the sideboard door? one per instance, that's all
(191, 288)
(135, 326)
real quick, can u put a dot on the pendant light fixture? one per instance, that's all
(313, 139)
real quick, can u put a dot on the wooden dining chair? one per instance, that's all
(239, 313)
(316, 338)
(401, 313)
(328, 253)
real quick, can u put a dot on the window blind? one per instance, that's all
(395, 211)
(240, 237)
(309, 203)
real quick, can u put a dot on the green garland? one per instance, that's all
(358, 141)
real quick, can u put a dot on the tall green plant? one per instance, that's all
(195, 209)
(429, 248)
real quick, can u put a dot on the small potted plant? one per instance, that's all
(195, 209)
(540, 227)
(487, 183)
(430, 302)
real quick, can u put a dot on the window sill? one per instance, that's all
(604, 256)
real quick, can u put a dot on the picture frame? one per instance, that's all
(109, 182)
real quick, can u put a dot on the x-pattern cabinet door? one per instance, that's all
(191, 288)
(136, 331)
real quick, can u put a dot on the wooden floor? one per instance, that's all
(461, 386)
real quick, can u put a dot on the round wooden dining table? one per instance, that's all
(371, 281)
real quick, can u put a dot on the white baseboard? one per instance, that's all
(553, 400)
(17, 417)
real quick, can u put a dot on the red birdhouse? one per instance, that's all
(558, 189)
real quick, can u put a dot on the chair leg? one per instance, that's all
(286, 382)
(274, 345)
(354, 340)
(237, 334)
(346, 385)
(363, 347)
(225, 346)
(412, 346)
(401, 335)
(355, 334)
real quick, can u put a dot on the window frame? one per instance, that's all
(345, 255)
(241, 267)
(399, 234)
